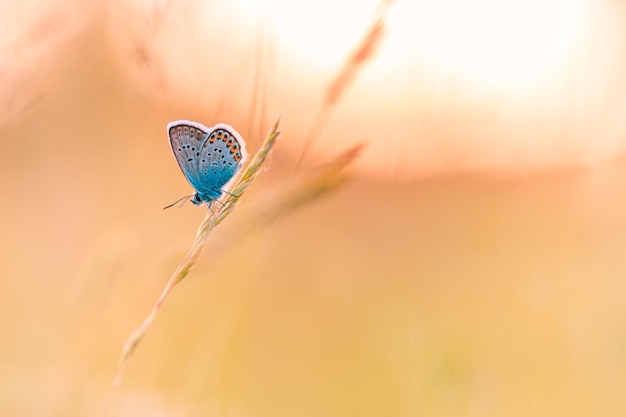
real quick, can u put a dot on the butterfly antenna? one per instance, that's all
(176, 202)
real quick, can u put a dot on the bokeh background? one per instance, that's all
(473, 265)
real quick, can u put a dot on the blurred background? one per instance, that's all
(473, 265)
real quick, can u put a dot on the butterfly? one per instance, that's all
(208, 156)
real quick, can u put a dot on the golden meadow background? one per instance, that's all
(473, 266)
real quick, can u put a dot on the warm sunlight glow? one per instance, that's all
(498, 43)
(501, 44)
(321, 32)
(433, 87)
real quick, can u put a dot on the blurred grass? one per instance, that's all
(357, 60)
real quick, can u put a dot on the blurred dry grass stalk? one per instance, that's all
(324, 179)
(360, 56)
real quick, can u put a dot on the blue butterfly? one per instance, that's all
(208, 156)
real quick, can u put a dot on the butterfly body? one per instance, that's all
(208, 156)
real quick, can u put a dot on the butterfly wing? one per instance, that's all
(186, 139)
(221, 156)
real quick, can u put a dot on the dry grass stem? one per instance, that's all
(212, 219)
(323, 179)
